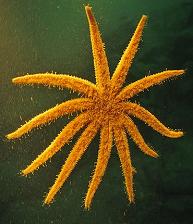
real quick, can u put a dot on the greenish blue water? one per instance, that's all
(45, 36)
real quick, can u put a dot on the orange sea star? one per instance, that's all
(104, 107)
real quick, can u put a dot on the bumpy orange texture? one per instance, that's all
(103, 107)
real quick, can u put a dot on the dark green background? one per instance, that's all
(45, 36)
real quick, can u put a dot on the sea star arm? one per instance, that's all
(67, 107)
(136, 136)
(102, 73)
(123, 66)
(144, 115)
(64, 136)
(102, 161)
(142, 84)
(124, 155)
(74, 156)
(63, 81)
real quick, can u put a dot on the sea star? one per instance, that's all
(104, 107)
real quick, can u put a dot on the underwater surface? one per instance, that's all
(46, 36)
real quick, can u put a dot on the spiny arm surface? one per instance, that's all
(137, 137)
(102, 73)
(142, 84)
(144, 115)
(126, 60)
(62, 81)
(64, 136)
(125, 159)
(102, 161)
(67, 107)
(72, 159)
